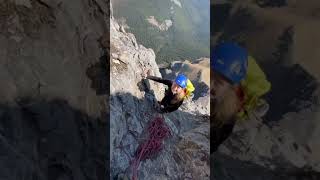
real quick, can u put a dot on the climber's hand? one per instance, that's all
(145, 74)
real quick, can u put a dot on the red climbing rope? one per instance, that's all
(158, 130)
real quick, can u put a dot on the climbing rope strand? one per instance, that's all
(157, 131)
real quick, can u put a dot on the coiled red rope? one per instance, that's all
(158, 130)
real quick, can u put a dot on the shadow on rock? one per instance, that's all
(98, 73)
(202, 89)
(219, 14)
(51, 140)
(294, 95)
(144, 85)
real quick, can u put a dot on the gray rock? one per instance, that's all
(114, 55)
(16, 38)
(25, 3)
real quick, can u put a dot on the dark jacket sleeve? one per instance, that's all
(171, 107)
(160, 80)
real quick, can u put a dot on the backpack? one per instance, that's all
(189, 89)
(254, 86)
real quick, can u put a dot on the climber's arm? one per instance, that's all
(160, 80)
(170, 105)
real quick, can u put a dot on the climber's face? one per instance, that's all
(218, 86)
(176, 89)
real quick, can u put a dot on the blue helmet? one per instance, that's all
(230, 60)
(181, 80)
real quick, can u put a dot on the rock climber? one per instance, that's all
(237, 85)
(177, 91)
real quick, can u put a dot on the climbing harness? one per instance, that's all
(158, 130)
